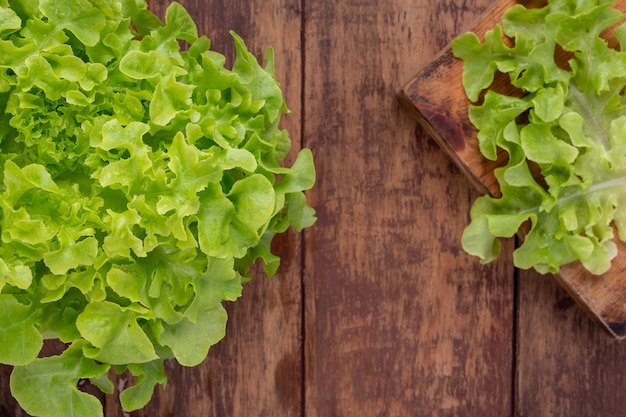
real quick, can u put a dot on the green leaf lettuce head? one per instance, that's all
(139, 182)
(563, 131)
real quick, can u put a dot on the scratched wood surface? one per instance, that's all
(392, 305)
(376, 311)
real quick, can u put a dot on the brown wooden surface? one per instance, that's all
(376, 310)
(392, 305)
(437, 96)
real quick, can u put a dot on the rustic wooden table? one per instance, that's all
(376, 310)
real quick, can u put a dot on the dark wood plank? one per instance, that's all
(257, 369)
(8, 405)
(566, 366)
(399, 322)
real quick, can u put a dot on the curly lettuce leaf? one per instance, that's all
(20, 341)
(58, 376)
(148, 376)
(563, 185)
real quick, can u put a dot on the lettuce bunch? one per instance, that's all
(139, 181)
(562, 128)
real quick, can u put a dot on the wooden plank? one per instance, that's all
(399, 322)
(257, 369)
(437, 97)
(566, 366)
(8, 405)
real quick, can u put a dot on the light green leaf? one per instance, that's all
(130, 285)
(103, 383)
(71, 255)
(253, 199)
(189, 341)
(574, 29)
(300, 214)
(261, 82)
(548, 103)
(219, 282)
(170, 98)
(115, 334)
(231, 158)
(492, 117)
(468, 47)
(20, 341)
(122, 240)
(194, 171)
(9, 20)
(263, 250)
(543, 147)
(57, 376)
(178, 25)
(78, 16)
(505, 225)
(19, 276)
(141, 65)
(20, 180)
(148, 376)
(214, 217)
(301, 177)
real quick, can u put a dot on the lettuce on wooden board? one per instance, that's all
(139, 181)
(563, 128)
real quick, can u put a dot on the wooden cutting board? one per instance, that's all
(437, 97)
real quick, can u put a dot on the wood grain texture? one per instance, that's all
(566, 365)
(376, 310)
(437, 97)
(399, 322)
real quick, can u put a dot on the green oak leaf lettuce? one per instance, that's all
(562, 129)
(58, 376)
(139, 183)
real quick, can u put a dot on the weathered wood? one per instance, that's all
(436, 94)
(399, 322)
(566, 366)
(8, 405)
